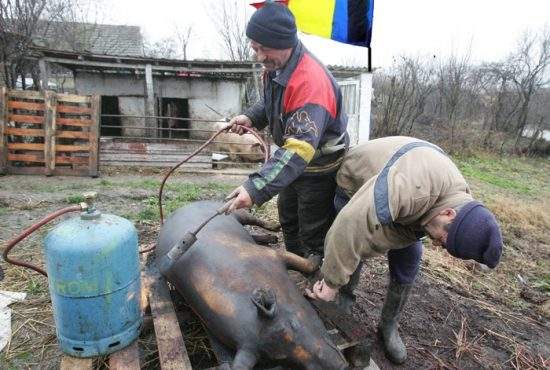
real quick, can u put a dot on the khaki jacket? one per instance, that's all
(418, 183)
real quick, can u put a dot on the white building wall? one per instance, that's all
(365, 107)
(226, 97)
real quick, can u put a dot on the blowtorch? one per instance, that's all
(169, 259)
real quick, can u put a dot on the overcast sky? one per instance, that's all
(489, 28)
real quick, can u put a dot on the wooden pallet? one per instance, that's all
(42, 132)
(171, 347)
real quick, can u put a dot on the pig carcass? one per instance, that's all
(243, 293)
(246, 147)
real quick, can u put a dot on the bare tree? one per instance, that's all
(20, 21)
(452, 77)
(499, 100)
(183, 36)
(529, 72)
(540, 119)
(353, 60)
(402, 95)
(60, 24)
(229, 18)
(164, 48)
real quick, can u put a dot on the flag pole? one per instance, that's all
(369, 61)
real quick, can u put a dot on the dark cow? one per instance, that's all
(244, 295)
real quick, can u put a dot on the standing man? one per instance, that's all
(392, 191)
(302, 104)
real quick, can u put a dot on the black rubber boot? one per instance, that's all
(347, 296)
(387, 329)
(345, 302)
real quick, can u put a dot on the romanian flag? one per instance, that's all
(347, 21)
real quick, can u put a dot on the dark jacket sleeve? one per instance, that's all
(303, 131)
(256, 113)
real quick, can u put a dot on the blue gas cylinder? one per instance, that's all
(94, 278)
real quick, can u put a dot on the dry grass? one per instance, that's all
(521, 219)
(466, 347)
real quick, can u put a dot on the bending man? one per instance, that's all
(392, 191)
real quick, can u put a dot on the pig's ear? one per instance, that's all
(266, 301)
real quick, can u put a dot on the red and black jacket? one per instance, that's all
(302, 105)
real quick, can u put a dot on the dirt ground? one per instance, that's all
(458, 316)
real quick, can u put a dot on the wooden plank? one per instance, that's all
(33, 171)
(74, 122)
(25, 146)
(172, 351)
(23, 118)
(73, 109)
(23, 131)
(72, 148)
(70, 98)
(68, 171)
(25, 158)
(73, 134)
(25, 170)
(345, 323)
(26, 94)
(49, 131)
(3, 137)
(75, 363)
(125, 359)
(94, 136)
(71, 160)
(15, 104)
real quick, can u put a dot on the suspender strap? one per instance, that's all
(381, 191)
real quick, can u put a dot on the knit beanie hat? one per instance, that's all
(273, 26)
(475, 234)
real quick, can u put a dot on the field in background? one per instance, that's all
(459, 316)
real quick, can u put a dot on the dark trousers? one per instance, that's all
(403, 263)
(306, 212)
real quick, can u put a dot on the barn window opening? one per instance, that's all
(110, 126)
(177, 108)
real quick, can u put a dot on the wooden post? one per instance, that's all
(44, 73)
(150, 101)
(50, 112)
(3, 137)
(94, 135)
(257, 86)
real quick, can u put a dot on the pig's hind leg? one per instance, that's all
(244, 360)
(247, 218)
(264, 239)
(305, 265)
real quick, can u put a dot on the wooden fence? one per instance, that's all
(42, 132)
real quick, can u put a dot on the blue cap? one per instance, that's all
(475, 234)
(273, 26)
